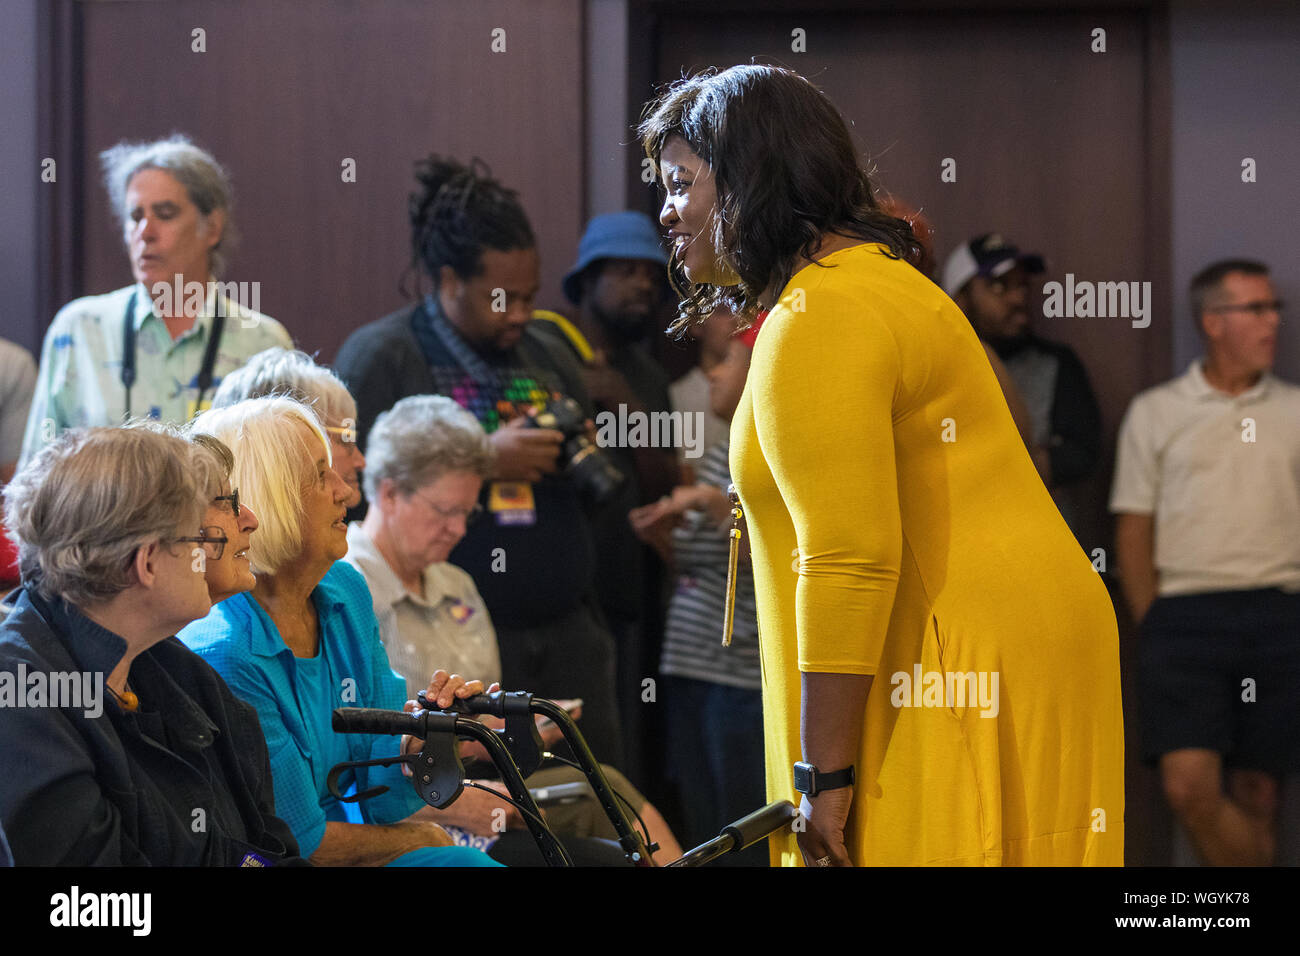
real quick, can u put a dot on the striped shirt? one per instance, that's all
(693, 635)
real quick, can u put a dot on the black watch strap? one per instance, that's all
(811, 781)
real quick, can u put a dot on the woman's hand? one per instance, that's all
(823, 837)
(443, 689)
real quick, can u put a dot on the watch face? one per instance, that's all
(803, 777)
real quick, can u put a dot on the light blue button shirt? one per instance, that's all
(80, 379)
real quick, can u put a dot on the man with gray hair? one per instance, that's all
(1207, 507)
(156, 348)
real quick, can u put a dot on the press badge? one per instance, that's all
(511, 503)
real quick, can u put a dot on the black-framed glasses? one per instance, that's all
(233, 498)
(1254, 308)
(213, 541)
(470, 515)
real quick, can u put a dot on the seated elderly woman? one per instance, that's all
(427, 461)
(168, 768)
(304, 641)
(281, 371)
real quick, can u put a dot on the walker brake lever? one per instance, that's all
(521, 736)
(436, 770)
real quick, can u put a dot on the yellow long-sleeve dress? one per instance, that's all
(898, 528)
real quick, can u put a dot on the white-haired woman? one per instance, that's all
(125, 741)
(158, 347)
(304, 641)
(280, 371)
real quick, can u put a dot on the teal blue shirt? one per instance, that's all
(294, 699)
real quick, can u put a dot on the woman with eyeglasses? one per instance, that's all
(304, 641)
(227, 528)
(134, 753)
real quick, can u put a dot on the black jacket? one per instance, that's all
(184, 781)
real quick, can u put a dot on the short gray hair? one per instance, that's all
(202, 177)
(422, 438)
(281, 371)
(83, 505)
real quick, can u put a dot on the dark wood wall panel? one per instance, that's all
(287, 89)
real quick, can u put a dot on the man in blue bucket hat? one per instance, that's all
(618, 284)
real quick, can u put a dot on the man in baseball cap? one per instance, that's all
(988, 278)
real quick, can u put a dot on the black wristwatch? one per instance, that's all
(811, 781)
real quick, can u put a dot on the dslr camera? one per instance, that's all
(596, 476)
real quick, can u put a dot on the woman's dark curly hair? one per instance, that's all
(786, 173)
(458, 212)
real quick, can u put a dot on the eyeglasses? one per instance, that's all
(213, 541)
(233, 498)
(470, 515)
(1254, 308)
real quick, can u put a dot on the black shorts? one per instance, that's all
(1202, 657)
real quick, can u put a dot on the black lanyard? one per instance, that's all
(128, 355)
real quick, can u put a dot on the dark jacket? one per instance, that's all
(398, 356)
(184, 781)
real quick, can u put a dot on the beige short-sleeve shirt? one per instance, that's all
(446, 627)
(1221, 475)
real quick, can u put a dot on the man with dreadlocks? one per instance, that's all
(475, 339)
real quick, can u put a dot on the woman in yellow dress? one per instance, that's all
(939, 657)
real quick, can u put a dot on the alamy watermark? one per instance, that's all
(635, 429)
(75, 908)
(1102, 300)
(949, 689)
(231, 300)
(62, 689)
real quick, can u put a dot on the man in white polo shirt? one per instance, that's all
(1207, 505)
